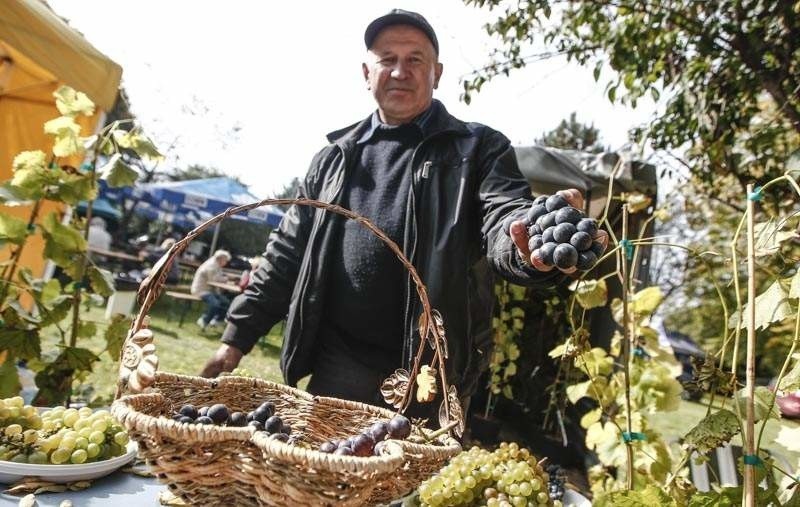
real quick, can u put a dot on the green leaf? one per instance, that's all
(22, 343)
(12, 229)
(791, 380)
(789, 438)
(771, 306)
(102, 281)
(591, 417)
(72, 103)
(58, 312)
(66, 133)
(769, 236)
(646, 301)
(637, 201)
(79, 358)
(30, 160)
(50, 291)
(763, 406)
(711, 432)
(74, 188)
(117, 173)
(138, 143)
(115, 335)
(577, 391)
(650, 496)
(590, 293)
(86, 329)
(9, 379)
(61, 241)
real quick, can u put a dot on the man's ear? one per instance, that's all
(365, 71)
(437, 74)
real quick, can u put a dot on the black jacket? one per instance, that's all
(465, 182)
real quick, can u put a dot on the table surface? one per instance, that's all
(114, 253)
(230, 287)
(120, 489)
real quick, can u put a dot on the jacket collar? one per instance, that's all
(439, 121)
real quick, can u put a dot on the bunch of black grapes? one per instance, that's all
(370, 441)
(262, 418)
(559, 234)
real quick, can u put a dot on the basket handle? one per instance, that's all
(138, 361)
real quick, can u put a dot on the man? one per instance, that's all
(216, 303)
(99, 238)
(439, 187)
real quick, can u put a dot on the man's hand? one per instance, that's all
(519, 234)
(225, 359)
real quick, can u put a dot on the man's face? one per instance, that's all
(402, 70)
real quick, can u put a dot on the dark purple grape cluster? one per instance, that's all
(559, 234)
(370, 441)
(555, 486)
(262, 418)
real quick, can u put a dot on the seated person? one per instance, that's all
(216, 303)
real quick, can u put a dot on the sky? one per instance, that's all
(252, 88)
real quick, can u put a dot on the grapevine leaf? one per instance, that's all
(72, 103)
(30, 174)
(117, 173)
(577, 391)
(9, 379)
(66, 133)
(646, 301)
(61, 241)
(115, 335)
(51, 289)
(648, 497)
(591, 293)
(771, 306)
(79, 358)
(138, 143)
(591, 417)
(86, 329)
(769, 237)
(637, 201)
(791, 380)
(102, 281)
(789, 438)
(711, 432)
(763, 404)
(12, 229)
(596, 361)
(58, 312)
(23, 343)
(74, 188)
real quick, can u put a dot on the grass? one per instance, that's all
(182, 349)
(674, 425)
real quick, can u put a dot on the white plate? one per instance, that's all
(12, 472)
(573, 498)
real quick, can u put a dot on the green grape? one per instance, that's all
(525, 488)
(78, 456)
(93, 450)
(518, 501)
(19, 458)
(35, 421)
(85, 411)
(67, 443)
(99, 425)
(60, 456)
(121, 438)
(513, 489)
(81, 424)
(5, 413)
(536, 484)
(30, 436)
(542, 497)
(493, 502)
(81, 442)
(27, 411)
(37, 458)
(70, 417)
(13, 412)
(97, 437)
(50, 443)
(16, 402)
(85, 432)
(102, 413)
(13, 429)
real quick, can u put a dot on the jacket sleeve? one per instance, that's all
(503, 191)
(265, 301)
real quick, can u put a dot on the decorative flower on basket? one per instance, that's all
(138, 362)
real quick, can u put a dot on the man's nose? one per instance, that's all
(399, 71)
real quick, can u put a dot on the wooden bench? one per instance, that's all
(186, 300)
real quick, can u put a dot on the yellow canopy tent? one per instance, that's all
(39, 53)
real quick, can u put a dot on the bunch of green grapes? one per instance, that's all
(59, 436)
(507, 477)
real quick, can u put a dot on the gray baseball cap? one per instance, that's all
(400, 17)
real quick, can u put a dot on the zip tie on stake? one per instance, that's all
(633, 435)
(755, 195)
(752, 460)
(628, 247)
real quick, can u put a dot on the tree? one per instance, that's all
(573, 135)
(289, 191)
(719, 63)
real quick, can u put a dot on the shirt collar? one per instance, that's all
(422, 121)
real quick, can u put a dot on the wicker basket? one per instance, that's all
(212, 465)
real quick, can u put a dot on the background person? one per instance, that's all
(216, 303)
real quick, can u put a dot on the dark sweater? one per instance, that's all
(365, 298)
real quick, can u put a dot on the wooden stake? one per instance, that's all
(748, 499)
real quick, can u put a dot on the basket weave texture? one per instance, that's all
(231, 466)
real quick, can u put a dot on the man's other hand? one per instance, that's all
(226, 358)
(519, 234)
